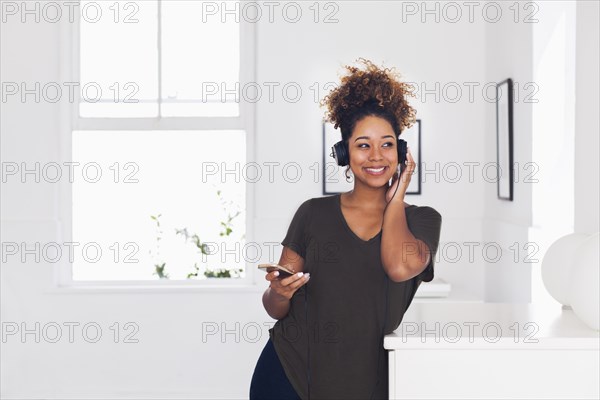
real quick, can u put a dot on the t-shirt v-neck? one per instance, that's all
(340, 213)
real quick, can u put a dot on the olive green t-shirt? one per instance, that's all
(331, 341)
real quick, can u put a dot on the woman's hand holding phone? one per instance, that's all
(285, 285)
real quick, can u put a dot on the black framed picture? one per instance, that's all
(334, 179)
(504, 139)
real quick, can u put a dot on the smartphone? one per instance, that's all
(284, 271)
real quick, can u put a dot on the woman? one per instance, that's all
(359, 257)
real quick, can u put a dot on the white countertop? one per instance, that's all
(490, 326)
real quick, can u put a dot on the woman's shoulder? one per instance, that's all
(315, 205)
(323, 201)
(423, 211)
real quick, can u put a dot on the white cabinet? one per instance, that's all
(492, 350)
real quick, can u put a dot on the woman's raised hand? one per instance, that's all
(398, 188)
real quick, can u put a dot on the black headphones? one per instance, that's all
(340, 152)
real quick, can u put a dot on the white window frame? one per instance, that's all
(70, 121)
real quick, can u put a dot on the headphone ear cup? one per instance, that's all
(402, 151)
(340, 153)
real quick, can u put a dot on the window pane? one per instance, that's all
(118, 59)
(140, 174)
(200, 60)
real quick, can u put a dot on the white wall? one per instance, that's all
(587, 126)
(508, 55)
(171, 360)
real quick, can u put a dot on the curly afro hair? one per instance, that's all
(370, 92)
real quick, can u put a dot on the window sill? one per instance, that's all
(142, 288)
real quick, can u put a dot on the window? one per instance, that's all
(553, 140)
(155, 128)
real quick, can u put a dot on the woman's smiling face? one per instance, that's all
(373, 151)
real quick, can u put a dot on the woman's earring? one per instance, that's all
(348, 178)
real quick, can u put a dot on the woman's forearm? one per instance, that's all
(276, 305)
(403, 256)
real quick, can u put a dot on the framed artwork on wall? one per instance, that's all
(504, 139)
(334, 179)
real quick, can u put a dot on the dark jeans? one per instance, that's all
(269, 381)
